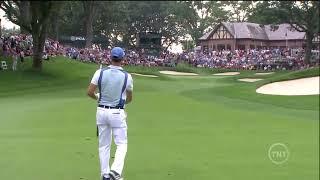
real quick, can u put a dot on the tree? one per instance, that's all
(239, 10)
(187, 45)
(124, 25)
(55, 19)
(70, 14)
(121, 27)
(25, 14)
(303, 16)
(90, 8)
(201, 17)
(94, 15)
(37, 24)
(264, 13)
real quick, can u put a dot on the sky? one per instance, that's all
(6, 23)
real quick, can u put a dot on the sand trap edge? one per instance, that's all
(145, 75)
(249, 80)
(227, 74)
(295, 87)
(176, 73)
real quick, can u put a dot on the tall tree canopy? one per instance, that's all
(239, 10)
(121, 21)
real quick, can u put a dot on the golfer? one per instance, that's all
(115, 90)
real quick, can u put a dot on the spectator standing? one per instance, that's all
(14, 59)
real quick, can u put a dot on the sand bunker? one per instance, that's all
(178, 73)
(249, 80)
(304, 86)
(145, 75)
(264, 73)
(227, 74)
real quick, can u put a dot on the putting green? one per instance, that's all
(179, 128)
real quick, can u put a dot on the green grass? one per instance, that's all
(180, 128)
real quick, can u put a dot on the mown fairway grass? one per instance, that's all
(180, 128)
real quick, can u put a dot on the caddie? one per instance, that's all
(115, 90)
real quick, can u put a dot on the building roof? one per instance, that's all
(205, 36)
(247, 30)
(279, 34)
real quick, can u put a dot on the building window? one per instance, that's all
(221, 33)
(316, 39)
(221, 47)
(205, 48)
(228, 47)
(241, 47)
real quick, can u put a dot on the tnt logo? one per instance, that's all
(278, 153)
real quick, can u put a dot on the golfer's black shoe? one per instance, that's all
(104, 178)
(114, 175)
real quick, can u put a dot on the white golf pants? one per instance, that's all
(112, 121)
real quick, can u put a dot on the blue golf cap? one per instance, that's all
(117, 53)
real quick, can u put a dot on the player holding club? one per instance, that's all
(115, 90)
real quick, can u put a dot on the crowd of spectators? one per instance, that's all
(20, 46)
(133, 57)
(268, 59)
(252, 59)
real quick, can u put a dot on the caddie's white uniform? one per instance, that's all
(113, 82)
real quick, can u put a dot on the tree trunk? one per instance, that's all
(39, 36)
(89, 32)
(57, 33)
(55, 29)
(0, 29)
(166, 48)
(37, 55)
(309, 37)
(89, 5)
(25, 15)
(126, 40)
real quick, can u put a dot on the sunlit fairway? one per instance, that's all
(201, 127)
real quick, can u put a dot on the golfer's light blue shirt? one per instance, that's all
(112, 82)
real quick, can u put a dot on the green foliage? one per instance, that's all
(212, 13)
(264, 13)
(239, 10)
(70, 19)
(188, 44)
(130, 18)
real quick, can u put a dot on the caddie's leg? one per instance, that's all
(104, 149)
(120, 139)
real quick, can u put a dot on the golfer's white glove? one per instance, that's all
(97, 95)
